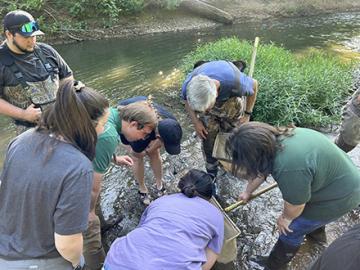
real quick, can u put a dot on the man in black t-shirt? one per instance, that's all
(30, 72)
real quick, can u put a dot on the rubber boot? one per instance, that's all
(280, 256)
(318, 236)
(95, 260)
(343, 145)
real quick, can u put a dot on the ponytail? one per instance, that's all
(74, 116)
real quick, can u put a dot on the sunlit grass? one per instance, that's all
(307, 90)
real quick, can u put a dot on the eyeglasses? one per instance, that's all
(29, 27)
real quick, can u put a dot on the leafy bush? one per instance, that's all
(33, 5)
(307, 90)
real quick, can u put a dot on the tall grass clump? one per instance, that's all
(308, 91)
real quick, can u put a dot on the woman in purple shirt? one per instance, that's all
(178, 231)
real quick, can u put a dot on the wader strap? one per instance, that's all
(19, 76)
(236, 75)
(49, 68)
(237, 86)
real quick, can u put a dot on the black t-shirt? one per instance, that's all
(31, 67)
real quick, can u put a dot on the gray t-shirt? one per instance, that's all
(41, 194)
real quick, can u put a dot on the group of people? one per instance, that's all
(67, 139)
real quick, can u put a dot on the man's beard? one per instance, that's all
(21, 49)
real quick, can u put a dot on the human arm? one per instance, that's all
(70, 247)
(199, 126)
(123, 160)
(211, 258)
(154, 145)
(95, 191)
(251, 187)
(290, 212)
(30, 114)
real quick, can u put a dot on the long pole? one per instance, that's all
(253, 57)
(253, 196)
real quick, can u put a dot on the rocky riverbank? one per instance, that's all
(256, 220)
(153, 21)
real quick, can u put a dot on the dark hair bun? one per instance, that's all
(189, 190)
(196, 183)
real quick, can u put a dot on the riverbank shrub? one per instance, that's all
(307, 90)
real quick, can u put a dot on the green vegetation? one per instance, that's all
(68, 14)
(306, 90)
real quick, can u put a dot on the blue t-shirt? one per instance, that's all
(233, 83)
(173, 233)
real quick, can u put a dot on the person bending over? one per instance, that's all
(178, 231)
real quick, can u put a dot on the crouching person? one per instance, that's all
(46, 184)
(135, 122)
(178, 231)
(168, 134)
(213, 90)
(318, 181)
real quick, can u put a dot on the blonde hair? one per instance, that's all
(141, 112)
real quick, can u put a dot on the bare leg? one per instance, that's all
(138, 170)
(156, 166)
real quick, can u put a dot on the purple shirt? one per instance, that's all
(173, 233)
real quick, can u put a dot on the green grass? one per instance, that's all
(307, 91)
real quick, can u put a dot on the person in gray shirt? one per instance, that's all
(46, 183)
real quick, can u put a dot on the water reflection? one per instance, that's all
(141, 65)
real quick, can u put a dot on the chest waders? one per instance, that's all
(22, 95)
(223, 117)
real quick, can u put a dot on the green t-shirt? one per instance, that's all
(311, 169)
(107, 142)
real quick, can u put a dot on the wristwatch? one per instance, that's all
(78, 267)
(248, 113)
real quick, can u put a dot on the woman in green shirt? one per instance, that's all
(318, 181)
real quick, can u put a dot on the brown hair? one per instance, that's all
(74, 116)
(253, 147)
(141, 112)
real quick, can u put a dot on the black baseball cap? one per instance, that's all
(171, 133)
(22, 22)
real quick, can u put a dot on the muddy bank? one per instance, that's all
(153, 21)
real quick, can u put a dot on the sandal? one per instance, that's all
(144, 197)
(161, 192)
